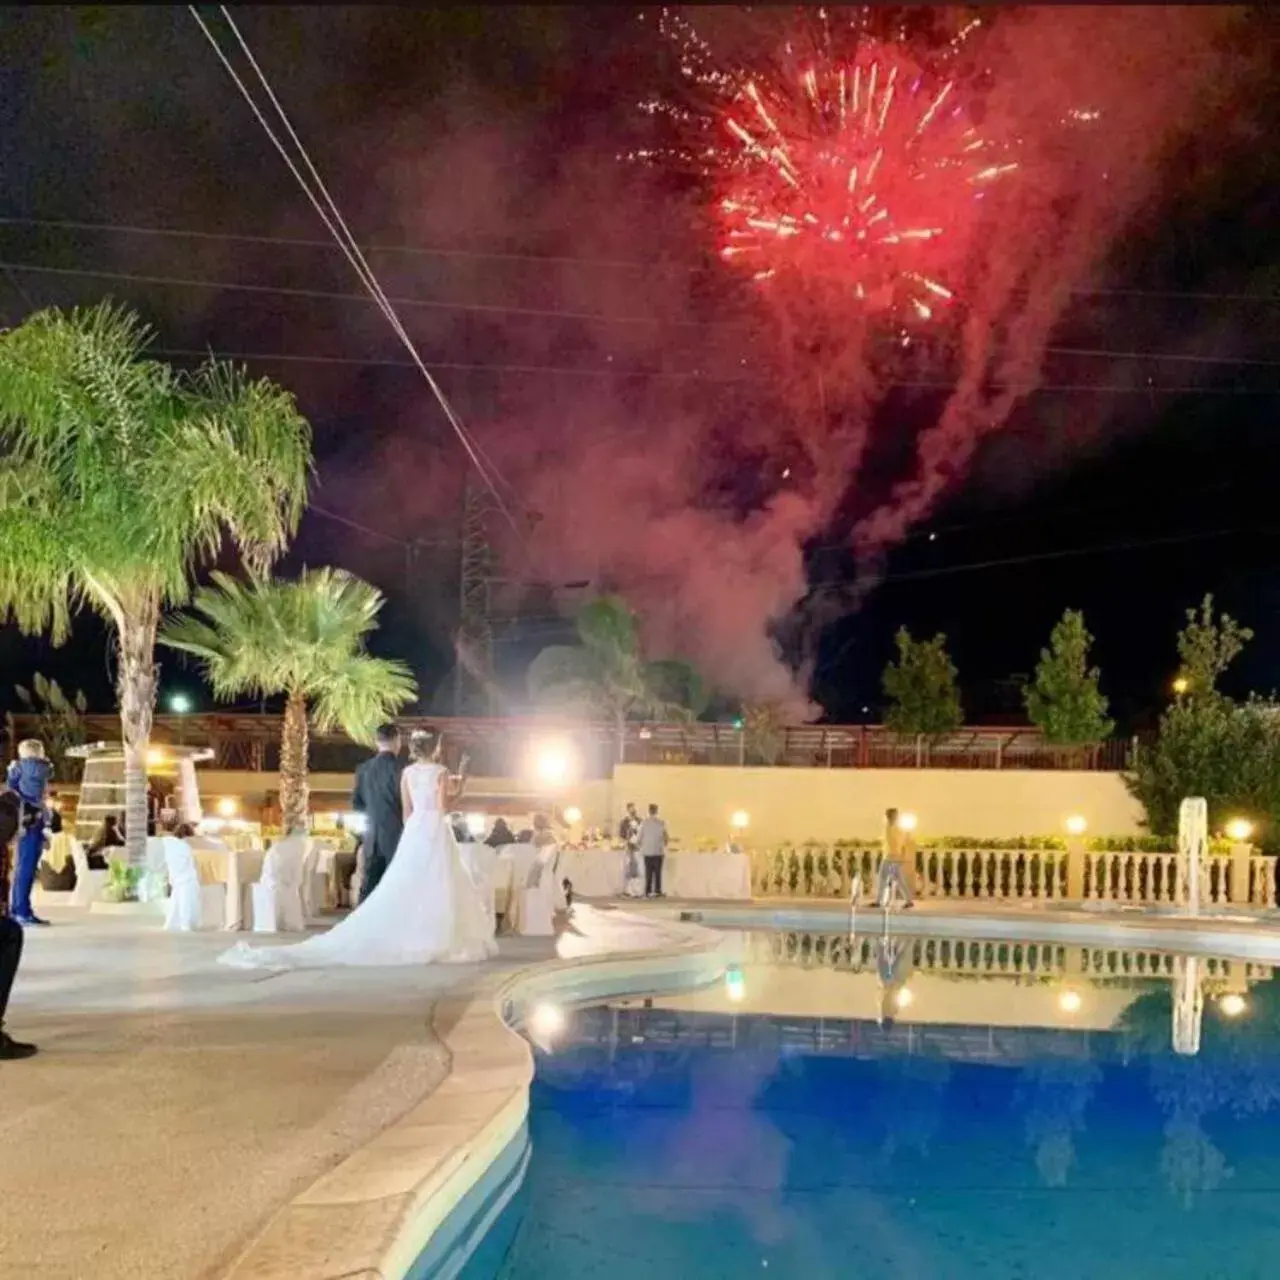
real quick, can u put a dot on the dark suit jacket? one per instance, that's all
(377, 796)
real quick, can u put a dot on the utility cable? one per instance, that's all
(347, 244)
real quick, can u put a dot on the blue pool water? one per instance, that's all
(1020, 1118)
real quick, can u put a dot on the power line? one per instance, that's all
(554, 313)
(630, 264)
(336, 295)
(659, 374)
(1036, 557)
(338, 228)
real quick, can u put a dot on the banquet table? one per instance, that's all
(235, 868)
(601, 873)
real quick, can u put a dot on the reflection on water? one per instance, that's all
(802, 1114)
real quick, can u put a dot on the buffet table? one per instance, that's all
(601, 873)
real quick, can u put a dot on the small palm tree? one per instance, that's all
(607, 672)
(120, 476)
(306, 640)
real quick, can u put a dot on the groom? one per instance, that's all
(377, 796)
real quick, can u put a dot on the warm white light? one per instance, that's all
(1181, 685)
(1233, 1004)
(475, 824)
(739, 819)
(553, 764)
(1239, 830)
(1076, 825)
(546, 1020)
(573, 815)
(155, 756)
(904, 998)
(228, 806)
(1070, 1002)
(735, 985)
(907, 822)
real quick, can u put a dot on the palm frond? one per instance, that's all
(360, 694)
(305, 637)
(132, 474)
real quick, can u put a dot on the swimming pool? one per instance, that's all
(905, 1106)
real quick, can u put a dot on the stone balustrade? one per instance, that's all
(1074, 873)
(1022, 961)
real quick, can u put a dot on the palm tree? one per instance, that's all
(121, 475)
(305, 639)
(607, 672)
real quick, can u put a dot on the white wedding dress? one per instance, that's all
(425, 910)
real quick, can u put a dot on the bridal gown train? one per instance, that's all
(425, 910)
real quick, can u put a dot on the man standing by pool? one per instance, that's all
(652, 845)
(893, 872)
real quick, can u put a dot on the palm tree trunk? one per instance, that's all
(136, 685)
(294, 792)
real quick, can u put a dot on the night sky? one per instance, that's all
(633, 391)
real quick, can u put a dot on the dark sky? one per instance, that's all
(1131, 482)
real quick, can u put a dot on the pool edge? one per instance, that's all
(371, 1216)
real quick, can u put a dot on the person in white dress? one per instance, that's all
(425, 910)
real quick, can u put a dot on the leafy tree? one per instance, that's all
(608, 674)
(121, 476)
(1064, 701)
(765, 730)
(921, 686)
(61, 721)
(1210, 745)
(304, 639)
(1207, 646)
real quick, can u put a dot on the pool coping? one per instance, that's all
(371, 1216)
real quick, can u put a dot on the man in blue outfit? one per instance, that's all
(29, 776)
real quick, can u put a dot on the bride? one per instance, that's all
(426, 908)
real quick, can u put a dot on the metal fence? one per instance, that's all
(501, 747)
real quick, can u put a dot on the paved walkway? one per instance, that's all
(176, 1103)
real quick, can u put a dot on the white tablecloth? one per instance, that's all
(236, 868)
(601, 873)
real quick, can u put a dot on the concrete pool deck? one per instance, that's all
(188, 1120)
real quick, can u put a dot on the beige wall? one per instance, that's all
(833, 804)
(795, 804)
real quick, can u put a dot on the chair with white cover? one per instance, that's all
(315, 881)
(531, 910)
(151, 886)
(89, 883)
(481, 863)
(277, 897)
(192, 905)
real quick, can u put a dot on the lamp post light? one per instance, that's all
(1180, 686)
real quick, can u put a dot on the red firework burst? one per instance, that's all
(861, 164)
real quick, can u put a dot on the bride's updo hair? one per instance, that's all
(422, 745)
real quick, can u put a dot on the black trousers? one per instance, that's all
(653, 873)
(10, 955)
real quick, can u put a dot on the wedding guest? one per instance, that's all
(629, 827)
(29, 777)
(542, 833)
(500, 835)
(892, 873)
(11, 936)
(108, 836)
(651, 843)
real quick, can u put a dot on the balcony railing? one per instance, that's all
(502, 747)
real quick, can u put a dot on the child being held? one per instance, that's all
(29, 776)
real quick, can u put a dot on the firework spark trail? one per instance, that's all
(1050, 245)
(860, 162)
